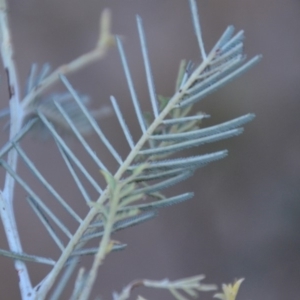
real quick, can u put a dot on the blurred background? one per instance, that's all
(244, 220)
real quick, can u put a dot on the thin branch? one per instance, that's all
(7, 53)
(106, 40)
(16, 116)
(104, 246)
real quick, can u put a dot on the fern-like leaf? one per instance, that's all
(134, 192)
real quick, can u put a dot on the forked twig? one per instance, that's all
(7, 195)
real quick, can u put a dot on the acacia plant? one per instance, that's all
(133, 193)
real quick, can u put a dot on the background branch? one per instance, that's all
(105, 41)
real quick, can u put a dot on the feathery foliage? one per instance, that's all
(133, 193)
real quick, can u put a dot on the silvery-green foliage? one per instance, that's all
(135, 192)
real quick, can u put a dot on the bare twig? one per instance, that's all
(106, 40)
(6, 197)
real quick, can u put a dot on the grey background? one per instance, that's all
(245, 217)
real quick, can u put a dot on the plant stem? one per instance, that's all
(16, 116)
(104, 245)
(51, 277)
